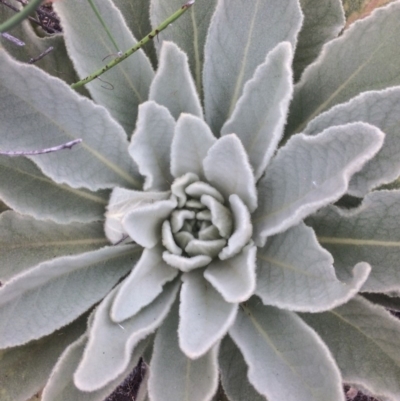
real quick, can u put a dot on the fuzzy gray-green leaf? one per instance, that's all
(205, 316)
(296, 273)
(109, 349)
(310, 172)
(188, 32)
(52, 294)
(300, 366)
(49, 113)
(379, 108)
(25, 242)
(323, 21)
(370, 233)
(173, 85)
(31, 364)
(363, 340)
(190, 145)
(143, 285)
(90, 49)
(260, 113)
(356, 62)
(61, 387)
(233, 370)
(151, 145)
(27, 190)
(227, 167)
(193, 380)
(262, 26)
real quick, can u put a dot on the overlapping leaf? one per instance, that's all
(370, 233)
(213, 315)
(125, 86)
(28, 191)
(260, 114)
(287, 360)
(379, 108)
(151, 145)
(25, 242)
(296, 273)
(60, 386)
(323, 20)
(110, 345)
(310, 172)
(189, 32)
(231, 58)
(364, 341)
(351, 64)
(194, 380)
(173, 85)
(52, 294)
(50, 114)
(31, 364)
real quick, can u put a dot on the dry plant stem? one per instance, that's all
(133, 49)
(18, 18)
(67, 145)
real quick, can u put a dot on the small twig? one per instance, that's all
(67, 145)
(12, 39)
(135, 48)
(41, 55)
(31, 18)
(20, 16)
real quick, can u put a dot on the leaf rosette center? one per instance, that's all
(201, 227)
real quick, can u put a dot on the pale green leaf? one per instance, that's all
(296, 273)
(173, 375)
(232, 55)
(370, 233)
(234, 278)
(27, 190)
(323, 21)
(60, 386)
(188, 32)
(25, 242)
(126, 85)
(173, 85)
(137, 18)
(233, 370)
(151, 145)
(143, 285)
(205, 316)
(379, 108)
(311, 172)
(54, 293)
(40, 111)
(190, 145)
(227, 167)
(243, 228)
(24, 370)
(259, 116)
(121, 202)
(364, 340)
(143, 224)
(355, 62)
(110, 345)
(287, 360)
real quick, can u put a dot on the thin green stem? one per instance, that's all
(100, 18)
(19, 17)
(133, 49)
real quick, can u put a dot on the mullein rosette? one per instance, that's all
(221, 257)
